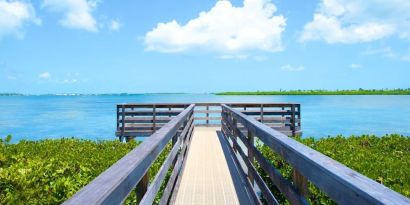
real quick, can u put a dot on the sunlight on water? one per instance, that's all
(93, 117)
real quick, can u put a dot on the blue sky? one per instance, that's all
(79, 46)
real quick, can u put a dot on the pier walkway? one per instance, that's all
(210, 175)
(211, 154)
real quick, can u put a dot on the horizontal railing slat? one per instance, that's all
(115, 184)
(339, 182)
(208, 118)
(206, 114)
(253, 193)
(284, 186)
(150, 105)
(177, 169)
(145, 120)
(153, 189)
(268, 112)
(207, 111)
(150, 113)
(270, 199)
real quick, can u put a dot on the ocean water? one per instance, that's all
(93, 116)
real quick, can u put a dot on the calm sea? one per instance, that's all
(93, 117)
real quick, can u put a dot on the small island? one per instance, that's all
(359, 91)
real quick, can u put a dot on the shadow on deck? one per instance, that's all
(216, 165)
(210, 174)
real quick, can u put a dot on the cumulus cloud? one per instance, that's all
(388, 52)
(44, 75)
(67, 81)
(291, 68)
(353, 21)
(14, 15)
(77, 14)
(224, 29)
(355, 65)
(114, 25)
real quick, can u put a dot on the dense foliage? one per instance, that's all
(50, 171)
(384, 159)
(324, 92)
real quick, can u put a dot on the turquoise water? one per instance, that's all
(93, 117)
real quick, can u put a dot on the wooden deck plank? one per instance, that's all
(209, 175)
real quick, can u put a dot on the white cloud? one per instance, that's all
(223, 29)
(67, 81)
(14, 15)
(229, 57)
(354, 21)
(44, 75)
(11, 77)
(388, 52)
(384, 51)
(77, 13)
(114, 25)
(291, 68)
(355, 65)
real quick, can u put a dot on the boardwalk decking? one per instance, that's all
(218, 165)
(210, 175)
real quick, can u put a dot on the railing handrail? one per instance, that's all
(114, 184)
(142, 119)
(209, 103)
(339, 182)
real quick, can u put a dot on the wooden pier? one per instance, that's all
(213, 159)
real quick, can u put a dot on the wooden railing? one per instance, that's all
(340, 183)
(283, 117)
(208, 114)
(130, 172)
(144, 119)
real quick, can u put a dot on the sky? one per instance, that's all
(100, 46)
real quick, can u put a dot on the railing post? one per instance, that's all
(118, 117)
(142, 187)
(261, 113)
(222, 116)
(123, 120)
(235, 125)
(250, 155)
(300, 183)
(299, 123)
(293, 121)
(175, 139)
(154, 120)
(128, 138)
(207, 114)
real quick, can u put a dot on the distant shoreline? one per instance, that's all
(89, 94)
(280, 92)
(323, 92)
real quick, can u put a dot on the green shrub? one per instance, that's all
(50, 171)
(384, 159)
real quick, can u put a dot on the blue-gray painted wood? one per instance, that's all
(284, 186)
(115, 184)
(339, 182)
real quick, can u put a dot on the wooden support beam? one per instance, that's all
(250, 155)
(207, 114)
(293, 121)
(154, 122)
(123, 117)
(142, 187)
(301, 183)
